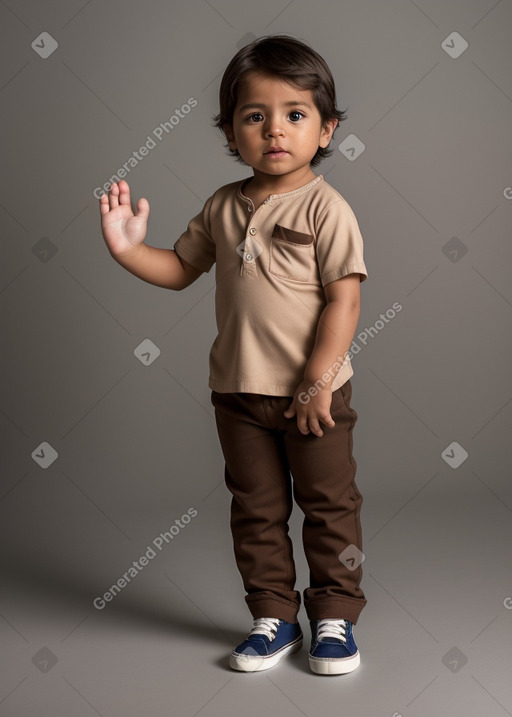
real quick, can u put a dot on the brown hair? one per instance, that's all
(289, 59)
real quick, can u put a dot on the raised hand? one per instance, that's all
(122, 230)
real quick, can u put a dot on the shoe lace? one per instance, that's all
(332, 628)
(265, 626)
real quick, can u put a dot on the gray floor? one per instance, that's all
(435, 636)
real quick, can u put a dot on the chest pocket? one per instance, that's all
(292, 254)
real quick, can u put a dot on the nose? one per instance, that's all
(273, 128)
(275, 133)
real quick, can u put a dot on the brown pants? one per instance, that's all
(261, 448)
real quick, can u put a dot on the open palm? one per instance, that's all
(122, 230)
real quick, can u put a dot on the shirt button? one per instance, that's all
(248, 257)
(252, 231)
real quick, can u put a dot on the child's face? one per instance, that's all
(270, 112)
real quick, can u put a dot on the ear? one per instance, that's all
(228, 131)
(327, 132)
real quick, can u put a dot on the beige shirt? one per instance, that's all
(270, 269)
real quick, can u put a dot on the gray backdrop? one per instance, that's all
(108, 431)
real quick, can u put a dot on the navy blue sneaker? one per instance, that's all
(333, 650)
(267, 643)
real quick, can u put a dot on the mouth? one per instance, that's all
(276, 152)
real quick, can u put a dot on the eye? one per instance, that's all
(255, 114)
(296, 112)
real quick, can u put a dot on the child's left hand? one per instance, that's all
(311, 410)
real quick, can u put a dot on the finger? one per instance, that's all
(124, 192)
(303, 426)
(104, 208)
(113, 195)
(143, 208)
(315, 427)
(290, 411)
(328, 420)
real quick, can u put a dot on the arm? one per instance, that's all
(124, 233)
(161, 267)
(336, 328)
(335, 332)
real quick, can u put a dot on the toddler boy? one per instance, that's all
(288, 257)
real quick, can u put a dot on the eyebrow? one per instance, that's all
(260, 105)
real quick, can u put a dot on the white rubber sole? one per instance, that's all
(256, 663)
(333, 666)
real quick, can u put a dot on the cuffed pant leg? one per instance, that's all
(258, 477)
(323, 470)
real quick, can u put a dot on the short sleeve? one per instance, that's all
(196, 245)
(339, 244)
